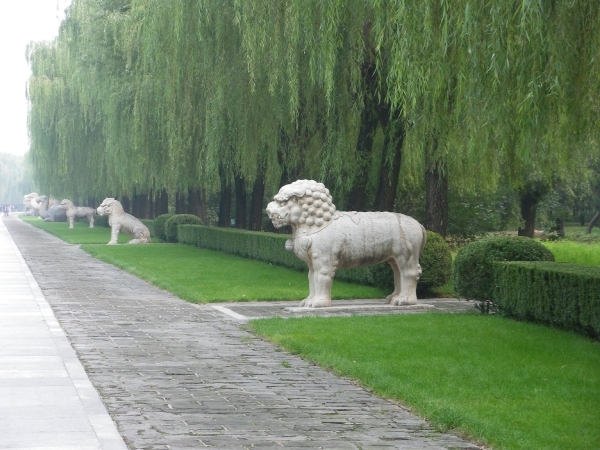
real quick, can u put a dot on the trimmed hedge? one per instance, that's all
(150, 224)
(270, 247)
(436, 263)
(100, 221)
(173, 222)
(561, 294)
(473, 270)
(159, 225)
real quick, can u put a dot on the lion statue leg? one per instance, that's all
(114, 235)
(405, 281)
(320, 280)
(139, 236)
(307, 302)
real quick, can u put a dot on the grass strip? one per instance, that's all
(575, 252)
(200, 275)
(510, 384)
(81, 233)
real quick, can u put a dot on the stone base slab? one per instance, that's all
(361, 308)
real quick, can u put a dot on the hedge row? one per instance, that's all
(473, 265)
(561, 294)
(270, 247)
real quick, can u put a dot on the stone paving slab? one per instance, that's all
(46, 399)
(174, 375)
(246, 311)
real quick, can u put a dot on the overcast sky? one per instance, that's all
(21, 21)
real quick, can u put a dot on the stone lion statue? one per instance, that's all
(327, 239)
(119, 220)
(75, 212)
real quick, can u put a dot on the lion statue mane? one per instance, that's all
(327, 240)
(75, 212)
(119, 220)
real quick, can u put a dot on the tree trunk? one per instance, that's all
(194, 201)
(135, 206)
(180, 205)
(391, 160)
(240, 202)
(162, 203)
(531, 195)
(258, 194)
(151, 205)
(592, 223)
(369, 120)
(436, 192)
(529, 203)
(225, 200)
(140, 206)
(126, 204)
(203, 209)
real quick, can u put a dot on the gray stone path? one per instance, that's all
(175, 375)
(46, 399)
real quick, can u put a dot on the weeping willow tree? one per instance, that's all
(198, 96)
(15, 179)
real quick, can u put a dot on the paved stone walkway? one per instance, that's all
(46, 399)
(175, 375)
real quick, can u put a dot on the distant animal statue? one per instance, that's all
(56, 214)
(77, 212)
(327, 240)
(30, 204)
(119, 220)
(43, 208)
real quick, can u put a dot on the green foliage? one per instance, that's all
(81, 233)
(173, 222)
(575, 252)
(561, 294)
(159, 226)
(149, 224)
(473, 271)
(511, 385)
(436, 263)
(268, 247)
(101, 221)
(15, 179)
(134, 96)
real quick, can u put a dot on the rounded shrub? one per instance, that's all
(472, 273)
(179, 219)
(159, 225)
(436, 263)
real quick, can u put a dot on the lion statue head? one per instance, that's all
(110, 206)
(303, 203)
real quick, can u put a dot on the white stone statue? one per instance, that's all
(327, 239)
(75, 212)
(30, 204)
(43, 208)
(119, 220)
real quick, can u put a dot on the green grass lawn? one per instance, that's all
(575, 252)
(81, 233)
(576, 232)
(200, 275)
(510, 384)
